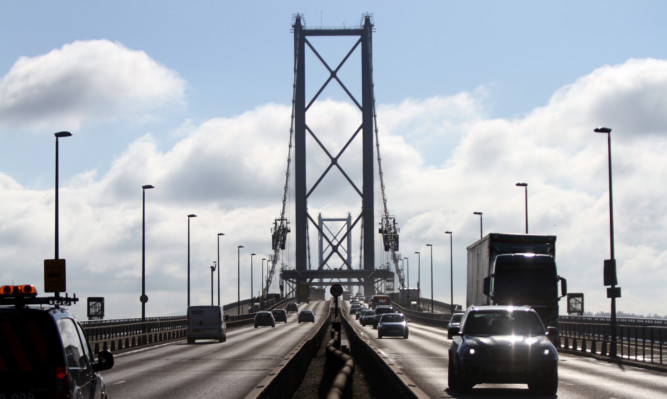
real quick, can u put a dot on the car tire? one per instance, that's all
(405, 336)
(255, 325)
(191, 341)
(379, 335)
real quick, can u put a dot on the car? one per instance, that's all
(354, 306)
(44, 351)
(455, 321)
(379, 311)
(264, 318)
(394, 324)
(306, 315)
(503, 344)
(292, 307)
(359, 311)
(280, 315)
(368, 317)
(205, 322)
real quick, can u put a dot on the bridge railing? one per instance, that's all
(641, 340)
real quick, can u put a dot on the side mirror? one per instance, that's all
(552, 331)
(563, 286)
(487, 286)
(452, 331)
(104, 361)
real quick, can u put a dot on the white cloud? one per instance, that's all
(85, 82)
(230, 172)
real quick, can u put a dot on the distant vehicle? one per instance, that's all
(280, 315)
(379, 300)
(306, 315)
(379, 311)
(394, 324)
(368, 317)
(292, 307)
(414, 305)
(264, 318)
(205, 322)
(455, 321)
(354, 306)
(255, 307)
(44, 352)
(361, 309)
(503, 344)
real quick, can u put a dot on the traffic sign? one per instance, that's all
(336, 290)
(55, 276)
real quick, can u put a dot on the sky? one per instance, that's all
(195, 99)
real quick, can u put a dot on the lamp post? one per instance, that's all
(610, 264)
(190, 216)
(238, 279)
(431, 245)
(451, 272)
(419, 273)
(251, 284)
(261, 287)
(57, 243)
(143, 299)
(408, 274)
(480, 223)
(212, 271)
(219, 266)
(525, 186)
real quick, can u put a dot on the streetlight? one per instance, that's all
(408, 261)
(212, 271)
(525, 185)
(431, 245)
(251, 285)
(609, 272)
(238, 280)
(57, 243)
(190, 216)
(219, 266)
(261, 287)
(419, 274)
(143, 299)
(480, 223)
(451, 271)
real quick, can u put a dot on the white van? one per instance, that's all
(206, 322)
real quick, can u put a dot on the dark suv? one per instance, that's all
(43, 351)
(503, 344)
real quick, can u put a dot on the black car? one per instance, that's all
(280, 315)
(44, 352)
(379, 311)
(264, 318)
(306, 315)
(292, 307)
(503, 344)
(394, 324)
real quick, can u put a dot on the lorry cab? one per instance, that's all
(205, 322)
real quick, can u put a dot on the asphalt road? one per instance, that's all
(207, 369)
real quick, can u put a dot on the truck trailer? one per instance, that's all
(516, 269)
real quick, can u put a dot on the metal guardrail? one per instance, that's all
(121, 334)
(640, 340)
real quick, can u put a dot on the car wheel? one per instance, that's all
(255, 325)
(379, 335)
(191, 341)
(405, 336)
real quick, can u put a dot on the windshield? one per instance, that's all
(503, 323)
(525, 277)
(392, 318)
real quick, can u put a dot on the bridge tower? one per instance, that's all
(366, 274)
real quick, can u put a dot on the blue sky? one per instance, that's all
(142, 85)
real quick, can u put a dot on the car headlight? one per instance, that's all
(546, 352)
(471, 351)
